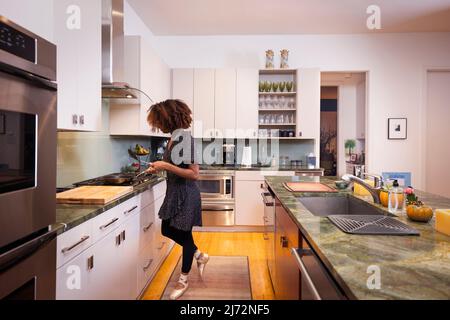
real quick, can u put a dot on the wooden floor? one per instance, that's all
(222, 244)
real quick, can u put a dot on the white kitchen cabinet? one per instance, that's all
(308, 106)
(145, 70)
(247, 103)
(249, 204)
(183, 86)
(204, 90)
(72, 280)
(119, 262)
(79, 66)
(128, 252)
(248, 188)
(225, 103)
(104, 264)
(308, 103)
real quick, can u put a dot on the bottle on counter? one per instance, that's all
(395, 197)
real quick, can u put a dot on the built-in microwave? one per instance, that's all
(218, 206)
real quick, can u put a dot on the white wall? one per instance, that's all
(437, 172)
(396, 76)
(34, 15)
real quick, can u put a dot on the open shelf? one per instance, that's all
(292, 93)
(276, 124)
(276, 110)
(278, 71)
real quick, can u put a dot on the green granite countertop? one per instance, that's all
(412, 267)
(72, 215)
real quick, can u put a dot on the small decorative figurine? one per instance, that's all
(269, 59)
(284, 59)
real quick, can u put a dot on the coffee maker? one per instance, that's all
(229, 154)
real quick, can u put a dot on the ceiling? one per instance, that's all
(253, 17)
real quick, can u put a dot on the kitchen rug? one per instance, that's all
(224, 278)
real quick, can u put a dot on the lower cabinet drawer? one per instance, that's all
(146, 266)
(147, 227)
(105, 223)
(71, 243)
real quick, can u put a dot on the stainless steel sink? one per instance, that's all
(339, 205)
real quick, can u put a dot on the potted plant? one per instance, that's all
(350, 144)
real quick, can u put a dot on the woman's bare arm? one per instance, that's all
(191, 173)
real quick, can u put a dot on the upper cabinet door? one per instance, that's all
(225, 103)
(308, 104)
(77, 25)
(204, 80)
(183, 86)
(155, 81)
(247, 103)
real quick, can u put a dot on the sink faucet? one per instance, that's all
(374, 191)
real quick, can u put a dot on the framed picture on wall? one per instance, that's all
(397, 128)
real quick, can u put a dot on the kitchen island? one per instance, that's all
(411, 267)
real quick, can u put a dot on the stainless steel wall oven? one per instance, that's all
(27, 164)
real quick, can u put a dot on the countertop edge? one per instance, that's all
(64, 226)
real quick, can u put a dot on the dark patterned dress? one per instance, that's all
(182, 204)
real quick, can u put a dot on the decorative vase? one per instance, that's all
(284, 63)
(282, 86)
(261, 86)
(269, 59)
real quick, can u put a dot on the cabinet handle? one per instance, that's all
(305, 275)
(90, 263)
(118, 240)
(128, 211)
(162, 246)
(74, 119)
(82, 119)
(67, 249)
(145, 229)
(284, 241)
(122, 234)
(145, 268)
(103, 227)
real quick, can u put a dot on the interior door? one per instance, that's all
(437, 152)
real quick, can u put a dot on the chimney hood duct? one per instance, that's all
(113, 59)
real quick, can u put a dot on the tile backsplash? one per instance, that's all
(86, 155)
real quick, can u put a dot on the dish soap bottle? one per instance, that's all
(395, 198)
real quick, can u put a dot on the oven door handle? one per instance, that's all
(304, 273)
(21, 252)
(217, 207)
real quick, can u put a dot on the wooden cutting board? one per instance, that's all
(99, 195)
(308, 187)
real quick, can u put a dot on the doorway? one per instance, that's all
(437, 129)
(343, 122)
(328, 129)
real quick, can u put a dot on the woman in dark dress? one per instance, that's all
(182, 209)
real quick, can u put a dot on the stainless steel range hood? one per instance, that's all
(113, 58)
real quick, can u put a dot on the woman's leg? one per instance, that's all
(184, 239)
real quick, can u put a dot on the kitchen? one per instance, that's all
(76, 87)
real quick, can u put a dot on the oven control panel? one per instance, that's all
(17, 43)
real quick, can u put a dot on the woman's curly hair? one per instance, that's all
(170, 115)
